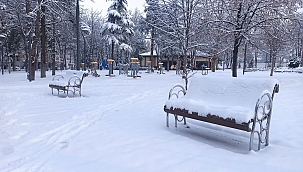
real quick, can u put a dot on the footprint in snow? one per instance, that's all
(63, 145)
(5, 149)
(19, 135)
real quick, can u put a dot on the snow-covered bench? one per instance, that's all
(70, 82)
(240, 103)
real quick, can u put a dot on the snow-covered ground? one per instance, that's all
(119, 125)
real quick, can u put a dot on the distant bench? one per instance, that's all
(70, 82)
(240, 103)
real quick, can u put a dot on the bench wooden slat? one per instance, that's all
(210, 119)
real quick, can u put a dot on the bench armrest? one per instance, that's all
(74, 81)
(276, 90)
(57, 77)
(177, 91)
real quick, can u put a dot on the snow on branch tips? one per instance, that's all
(125, 47)
(111, 26)
(113, 13)
(111, 39)
(128, 22)
(85, 28)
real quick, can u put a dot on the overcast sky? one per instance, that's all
(103, 4)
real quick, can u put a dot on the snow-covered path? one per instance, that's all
(119, 125)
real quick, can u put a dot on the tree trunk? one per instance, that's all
(167, 64)
(26, 40)
(235, 57)
(256, 59)
(273, 53)
(43, 42)
(78, 34)
(34, 45)
(54, 49)
(185, 71)
(273, 61)
(245, 58)
(64, 56)
(112, 53)
(152, 48)
(26, 55)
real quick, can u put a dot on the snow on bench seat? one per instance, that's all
(226, 97)
(71, 81)
(62, 80)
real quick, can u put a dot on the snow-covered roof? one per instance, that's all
(202, 54)
(148, 54)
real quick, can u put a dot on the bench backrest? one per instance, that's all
(70, 73)
(229, 91)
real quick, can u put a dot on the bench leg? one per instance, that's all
(185, 122)
(177, 120)
(252, 140)
(52, 91)
(167, 120)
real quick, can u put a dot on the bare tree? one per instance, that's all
(243, 17)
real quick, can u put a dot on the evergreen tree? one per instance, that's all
(118, 28)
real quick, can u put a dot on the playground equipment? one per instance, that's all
(110, 67)
(149, 69)
(93, 69)
(123, 69)
(82, 66)
(161, 68)
(134, 68)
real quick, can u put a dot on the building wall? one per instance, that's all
(199, 61)
(154, 61)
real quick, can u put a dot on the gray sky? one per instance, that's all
(103, 4)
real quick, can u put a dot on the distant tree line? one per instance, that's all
(42, 33)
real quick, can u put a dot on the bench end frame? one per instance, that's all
(261, 121)
(176, 91)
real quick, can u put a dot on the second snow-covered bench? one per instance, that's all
(70, 82)
(240, 103)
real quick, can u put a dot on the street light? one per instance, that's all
(85, 31)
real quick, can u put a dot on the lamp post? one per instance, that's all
(85, 32)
